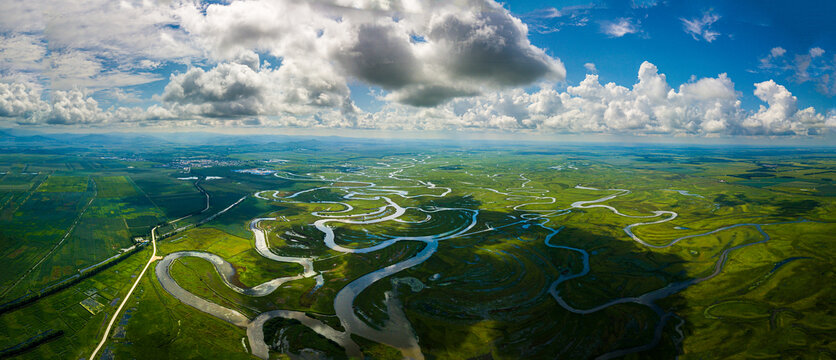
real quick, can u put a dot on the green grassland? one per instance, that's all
(252, 268)
(483, 295)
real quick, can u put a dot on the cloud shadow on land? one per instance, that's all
(487, 295)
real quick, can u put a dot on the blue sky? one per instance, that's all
(423, 65)
(748, 30)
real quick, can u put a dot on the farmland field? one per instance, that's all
(65, 184)
(114, 186)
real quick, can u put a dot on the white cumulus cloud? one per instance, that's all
(73, 107)
(781, 115)
(232, 90)
(816, 52)
(704, 107)
(20, 100)
(424, 57)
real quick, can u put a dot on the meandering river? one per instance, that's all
(397, 331)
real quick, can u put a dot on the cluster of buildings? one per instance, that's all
(187, 164)
(121, 158)
(256, 171)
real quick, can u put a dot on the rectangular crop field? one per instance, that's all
(64, 184)
(114, 186)
(16, 181)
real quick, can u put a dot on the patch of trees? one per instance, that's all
(31, 343)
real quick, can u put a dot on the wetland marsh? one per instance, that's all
(393, 251)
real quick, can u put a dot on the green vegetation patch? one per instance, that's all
(826, 190)
(290, 335)
(796, 207)
(64, 184)
(142, 221)
(17, 181)
(744, 310)
(92, 304)
(114, 186)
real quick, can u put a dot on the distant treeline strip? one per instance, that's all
(31, 343)
(70, 281)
